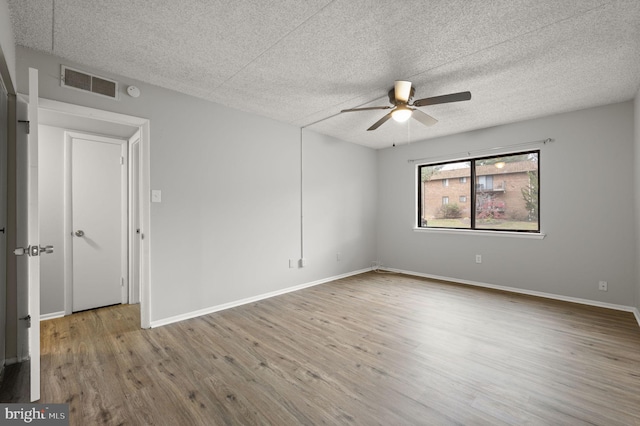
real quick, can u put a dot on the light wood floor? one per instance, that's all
(371, 349)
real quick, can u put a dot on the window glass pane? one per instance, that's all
(439, 207)
(507, 192)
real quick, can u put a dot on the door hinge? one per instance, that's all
(122, 161)
(28, 320)
(28, 125)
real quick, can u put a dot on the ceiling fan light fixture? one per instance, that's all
(401, 114)
(403, 108)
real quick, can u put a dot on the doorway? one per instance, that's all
(112, 132)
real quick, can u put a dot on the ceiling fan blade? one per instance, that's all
(403, 91)
(380, 122)
(365, 109)
(444, 99)
(425, 119)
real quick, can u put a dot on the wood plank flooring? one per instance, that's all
(371, 349)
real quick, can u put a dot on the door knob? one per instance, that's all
(79, 233)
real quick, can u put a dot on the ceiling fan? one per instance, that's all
(400, 97)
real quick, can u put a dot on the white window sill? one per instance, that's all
(527, 235)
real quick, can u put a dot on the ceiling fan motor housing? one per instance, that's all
(392, 95)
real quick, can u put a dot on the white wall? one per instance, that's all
(51, 204)
(230, 213)
(586, 201)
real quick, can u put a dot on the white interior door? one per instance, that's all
(27, 234)
(98, 212)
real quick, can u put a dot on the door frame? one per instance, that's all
(144, 179)
(134, 211)
(4, 217)
(125, 266)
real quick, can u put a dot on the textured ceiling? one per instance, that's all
(302, 61)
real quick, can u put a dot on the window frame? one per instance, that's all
(472, 198)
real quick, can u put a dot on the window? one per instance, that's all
(503, 193)
(485, 183)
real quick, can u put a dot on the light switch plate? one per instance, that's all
(156, 196)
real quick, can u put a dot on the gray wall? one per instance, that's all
(229, 220)
(587, 203)
(230, 213)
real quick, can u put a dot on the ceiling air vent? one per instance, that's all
(86, 82)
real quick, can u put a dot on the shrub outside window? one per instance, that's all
(503, 192)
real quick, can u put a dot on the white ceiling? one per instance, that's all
(302, 61)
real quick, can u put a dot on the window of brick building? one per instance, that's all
(503, 192)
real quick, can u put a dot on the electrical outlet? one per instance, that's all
(603, 285)
(338, 257)
(478, 258)
(303, 262)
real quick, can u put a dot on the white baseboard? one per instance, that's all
(52, 315)
(212, 309)
(524, 291)
(636, 312)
